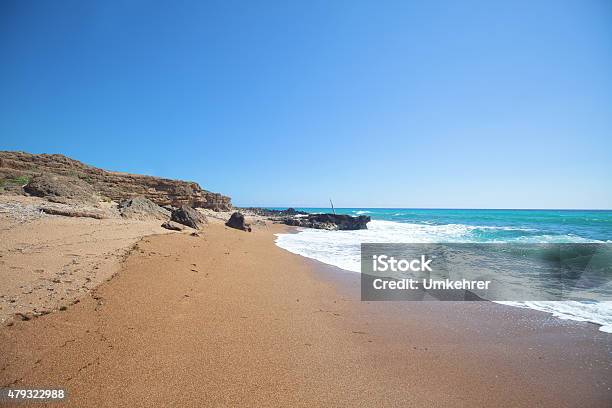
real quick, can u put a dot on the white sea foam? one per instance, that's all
(594, 312)
(342, 249)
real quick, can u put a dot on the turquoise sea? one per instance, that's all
(501, 225)
(402, 225)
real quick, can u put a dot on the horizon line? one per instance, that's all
(436, 208)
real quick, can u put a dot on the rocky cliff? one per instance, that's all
(18, 168)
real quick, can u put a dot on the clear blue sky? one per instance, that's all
(487, 104)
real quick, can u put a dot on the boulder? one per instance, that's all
(141, 208)
(173, 226)
(188, 216)
(329, 221)
(237, 221)
(61, 189)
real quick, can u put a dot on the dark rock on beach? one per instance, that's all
(173, 226)
(188, 216)
(237, 221)
(297, 218)
(329, 221)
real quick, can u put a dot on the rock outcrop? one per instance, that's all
(237, 221)
(330, 222)
(112, 185)
(140, 208)
(73, 212)
(188, 216)
(61, 189)
(266, 212)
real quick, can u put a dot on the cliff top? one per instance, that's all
(17, 169)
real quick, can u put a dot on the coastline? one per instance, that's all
(228, 204)
(481, 227)
(229, 318)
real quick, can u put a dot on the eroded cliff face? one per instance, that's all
(19, 167)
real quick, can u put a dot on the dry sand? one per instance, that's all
(229, 319)
(47, 262)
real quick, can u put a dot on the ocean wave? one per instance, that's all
(343, 250)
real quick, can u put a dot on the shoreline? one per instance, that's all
(348, 279)
(342, 250)
(351, 282)
(230, 318)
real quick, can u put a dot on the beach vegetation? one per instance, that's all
(20, 180)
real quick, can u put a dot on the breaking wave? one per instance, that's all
(342, 249)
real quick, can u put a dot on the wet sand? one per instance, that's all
(229, 319)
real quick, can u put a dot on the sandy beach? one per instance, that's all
(227, 318)
(306, 204)
(48, 262)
